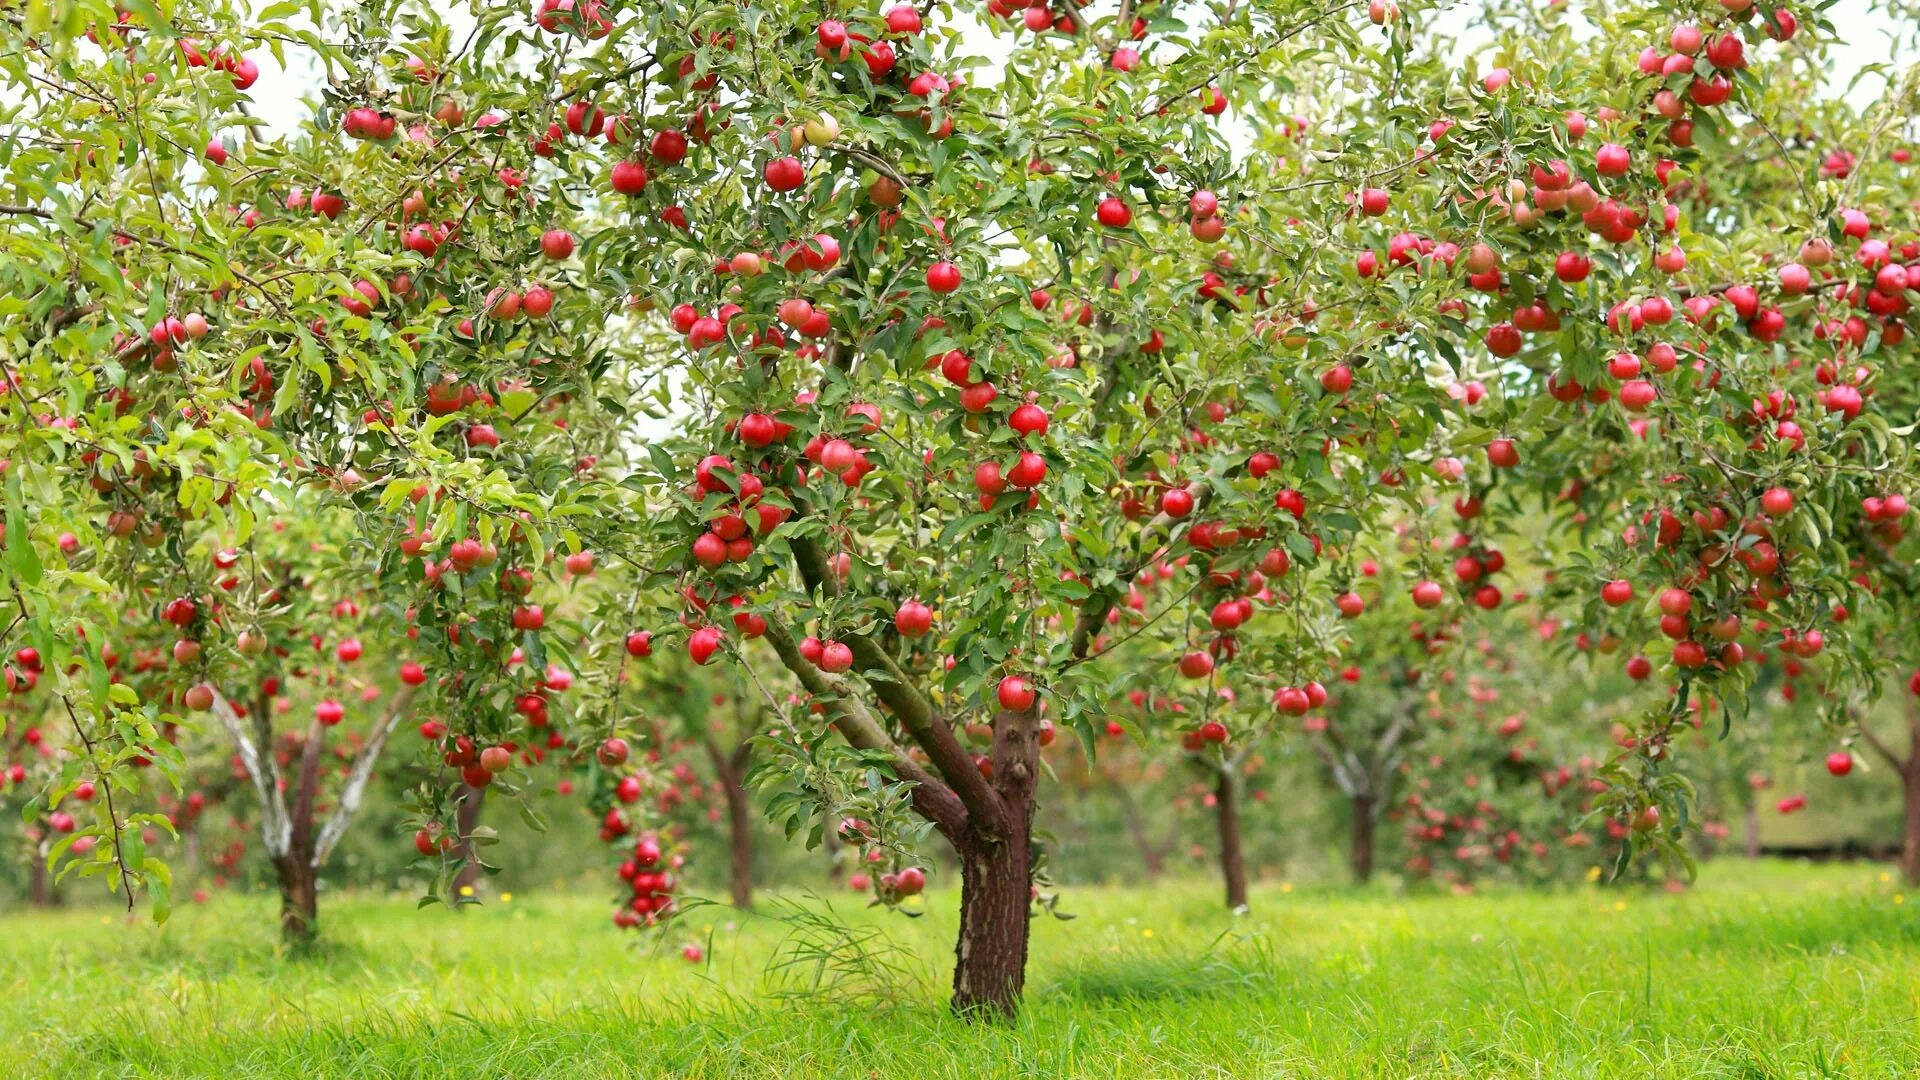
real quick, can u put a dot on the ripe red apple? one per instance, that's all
(1014, 694)
(913, 619)
(1114, 213)
(629, 177)
(943, 277)
(556, 244)
(703, 643)
(785, 173)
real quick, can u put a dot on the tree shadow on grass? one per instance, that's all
(1234, 963)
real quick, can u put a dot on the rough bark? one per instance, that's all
(1233, 861)
(299, 899)
(465, 820)
(1361, 853)
(996, 881)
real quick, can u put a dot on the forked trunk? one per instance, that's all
(1233, 862)
(996, 882)
(1361, 854)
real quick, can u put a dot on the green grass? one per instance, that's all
(1761, 971)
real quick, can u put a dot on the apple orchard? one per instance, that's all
(964, 386)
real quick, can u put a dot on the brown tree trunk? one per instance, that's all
(299, 878)
(1233, 863)
(996, 881)
(1361, 855)
(1150, 859)
(1910, 835)
(299, 899)
(1753, 829)
(40, 892)
(732, 769)
(465, 820)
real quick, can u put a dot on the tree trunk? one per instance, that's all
(299, 878)
(996, 882)
(740, 845)
(1910, 835)
(299, 899)
(731, 770)
(465, 820)
(1150, 859)
(40, 892)
(1753, 828)
(1233, 863)
(1361, 854)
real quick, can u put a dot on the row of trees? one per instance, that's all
(944, 379)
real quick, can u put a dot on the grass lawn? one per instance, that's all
(1762, 971)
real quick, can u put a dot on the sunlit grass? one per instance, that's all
(1762, 971)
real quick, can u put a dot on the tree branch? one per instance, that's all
(1880, 746)
(274, 828)
(894, 688)
(932, 799)
(359, 777)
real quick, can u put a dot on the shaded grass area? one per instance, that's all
(1763, 970)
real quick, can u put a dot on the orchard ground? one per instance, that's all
(1762, 970)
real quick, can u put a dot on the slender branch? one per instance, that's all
(274, 829)
(894, 688)
(113, 815)
(359, 777)
(1880, 747)
(932, 799)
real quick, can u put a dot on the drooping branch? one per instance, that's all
(275, 829)
(1086, 624)
(1880, 747)
(895, 689)
(932, 799)
(359, 777)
